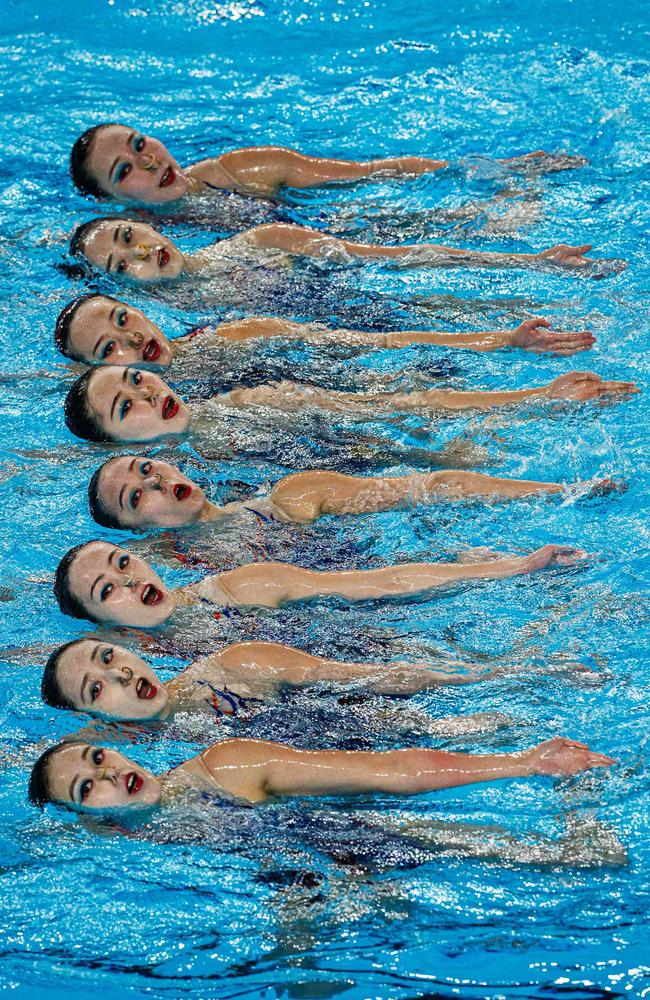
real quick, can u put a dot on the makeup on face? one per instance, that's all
(94, 779)
(105, 331)
(133, 167)
(108, 681)
(142, 492)
(132, 250)
(117, 587)
(133, 405)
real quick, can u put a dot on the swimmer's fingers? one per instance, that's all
(565, 344)
(613, 388)
(565, 255)
(562, 757)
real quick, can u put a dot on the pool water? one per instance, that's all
(268, 904)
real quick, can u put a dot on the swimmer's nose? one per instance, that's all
(142, 252)
(148, 162)
(149, 394)
(107, 774)
(130, 581)
(154, 482)
(136, 339)
(123, 675)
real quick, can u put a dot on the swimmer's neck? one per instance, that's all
(212, 512)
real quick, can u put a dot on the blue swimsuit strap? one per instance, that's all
(235, 703)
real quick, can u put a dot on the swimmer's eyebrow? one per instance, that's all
(116, 233)
(98, 343)
(121, 495)
(132, 463)
(115, 162)
(100, 577)
(108, 262)
(83, 686)
(110, 558)
(93, 655)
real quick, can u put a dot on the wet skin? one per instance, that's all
(134, 405)
(115, 586)
(111, 682)
(142, 492)
(132, 250)
(93, 779)
(106, 331)
(130, 166)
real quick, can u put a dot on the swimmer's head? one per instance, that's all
(128, 249)
(99, 330)
(105, 681)
(124, 404)
(91, 779)
(115, 161)
(138, 492)
(105, 583)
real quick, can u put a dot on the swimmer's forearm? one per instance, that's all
(400, 772)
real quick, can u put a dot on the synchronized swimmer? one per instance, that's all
(98, 329)
(111, 403)
(116, 161)
(104, 583)
(135, 492)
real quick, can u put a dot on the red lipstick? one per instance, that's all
(181, 491)
(151, 350)
(170, 408)
(151, 595)
(163, 257)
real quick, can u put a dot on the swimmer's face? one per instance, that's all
(134, 405)
(105, 331)
(110, 682)
(116, 587)
(143, 493)
(132, 167)
(132, 250)
(94, 780)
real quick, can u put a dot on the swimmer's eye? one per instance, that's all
(136, 378)
(138, 143)
(98, 756)
(135, 498)
(121, 317)
(123, 561)
(125, 407)
(107, 655)
(127, 234)
(122, 266)
(106, 591)
(122, 172)
(85, 789)
(95, 690)
(107, 349)
(145, 468)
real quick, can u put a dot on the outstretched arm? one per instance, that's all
(304, 496)
(257, 770)
(532, 335)
(300, 240)
(271, 584)
(271, 664)
(262, 170)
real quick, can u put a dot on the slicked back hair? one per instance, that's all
(100, 513)
(79, 414)
(51, 692)
(83, 180)
(39, 792)
(64, 323)
(69, 603)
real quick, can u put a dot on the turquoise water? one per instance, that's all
(264, 905)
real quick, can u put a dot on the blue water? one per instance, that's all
(260, 906)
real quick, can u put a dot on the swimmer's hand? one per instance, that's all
(587, 385)
(554, 555)
(566, 256)
(535, 335)
(561, 757)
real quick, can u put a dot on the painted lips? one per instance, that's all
(181, 491)
(133, 782)
(169, 408)
(163, 257)
(168, 177)
(151, 595)
(145, 689)
(151, 350)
